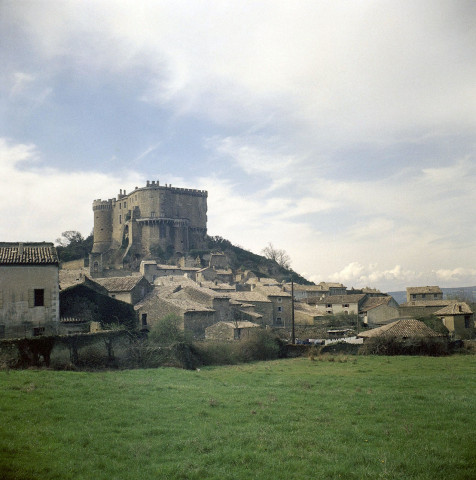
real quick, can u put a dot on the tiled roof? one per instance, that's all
(428, 303)
(119, 284)
(373, 302)
(249, 297)
(402, 329)
(272, 291)
(458, 308)
(336, 299)
(243, 324)
(427, 289)
(28, 254)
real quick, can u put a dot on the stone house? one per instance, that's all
(379, 310)
(161, 302)
(255, 301)
(305, 314)
(198, 307)
(334, 304)
(212, 274)
(458, 319)
(303, 292)
(422, 308)
(87, 303)
(281, 302)
(424, 293)
(151, 270)
(229, 331)
(130, 289)
(29, 289)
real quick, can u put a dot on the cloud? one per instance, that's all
(37, 203)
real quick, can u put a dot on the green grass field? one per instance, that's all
(351, 418)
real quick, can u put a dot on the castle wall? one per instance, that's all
(148, 218)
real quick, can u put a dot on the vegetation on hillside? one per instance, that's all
(73, 246)
(258, 264)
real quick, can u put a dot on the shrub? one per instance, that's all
(260, 345)
(168, 331)
(218, 353)
(389, 345)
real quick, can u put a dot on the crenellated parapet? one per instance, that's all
(102, 204)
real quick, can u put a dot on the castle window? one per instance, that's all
(125, 204)
(120, 218)
(144, 319)
(467, 321)
(39, 297)
(279, 321)
(120, 205)
(280, 309)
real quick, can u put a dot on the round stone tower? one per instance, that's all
(102, 225)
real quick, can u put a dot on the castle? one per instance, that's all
(146, 223)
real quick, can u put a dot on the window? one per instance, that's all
(413, 296)
(345, 305)
(328, 305)
(280, 299)
(120, 218)
(423, 295)
(467, 321)
(144, 319)
(125, 204)
(279, 321)
(280, 309)
(37, 331)
(39, 297)
(435, 295)
(2, 331)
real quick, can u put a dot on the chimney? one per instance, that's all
(147, 183)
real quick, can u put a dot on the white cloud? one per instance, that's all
(37, 203)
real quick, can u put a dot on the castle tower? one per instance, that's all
(102, 225)
(146, 223)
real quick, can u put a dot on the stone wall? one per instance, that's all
(19, 317)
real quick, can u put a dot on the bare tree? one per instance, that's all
(277, 255)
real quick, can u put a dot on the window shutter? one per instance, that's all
(47, 297)
(31, 298)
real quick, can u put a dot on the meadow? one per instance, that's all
(352, 417)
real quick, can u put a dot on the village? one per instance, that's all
(123, 282)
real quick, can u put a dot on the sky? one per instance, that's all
(343, 132)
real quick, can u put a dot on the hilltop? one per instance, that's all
(73, 246)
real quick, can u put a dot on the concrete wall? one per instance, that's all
(18, 314)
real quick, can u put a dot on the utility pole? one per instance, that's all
(293, 336)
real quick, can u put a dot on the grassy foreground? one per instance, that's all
(352, 418)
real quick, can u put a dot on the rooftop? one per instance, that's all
(402, 328)
(119, 284)
(420, 290)
(28, 254)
